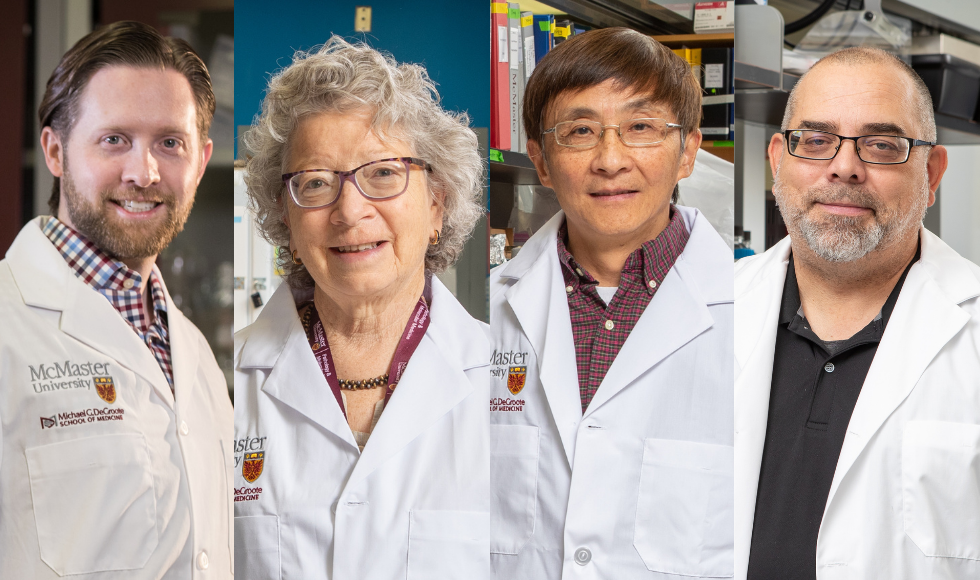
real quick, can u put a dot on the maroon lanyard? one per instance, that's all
(409, 341)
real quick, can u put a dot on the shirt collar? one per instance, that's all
(654, 258)
(791, 307)
(97, 268)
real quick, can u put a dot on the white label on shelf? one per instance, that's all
(528, 56)
(714, 76)
(515, 47)
(501, 44)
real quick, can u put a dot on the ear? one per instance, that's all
(206, 152)
(437, 207)
(53, 151)
(936, 167)
(691, 145)
(775, 150)
(535, 152)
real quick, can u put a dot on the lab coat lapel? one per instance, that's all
(678, 312)
(926, 317)
(540, 303)
(277, 341)
(46, 281)
(184, 353)
(433, 384)
(758, 294)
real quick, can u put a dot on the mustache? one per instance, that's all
(137, 193)
(839, 193)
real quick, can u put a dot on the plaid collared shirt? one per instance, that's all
(600, 330)
(120, 285)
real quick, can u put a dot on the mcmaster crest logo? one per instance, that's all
(105, 388)
(252, 465)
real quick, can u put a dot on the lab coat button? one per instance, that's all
(202, 560)
(184, 429)
(829, 367)
(583, 556)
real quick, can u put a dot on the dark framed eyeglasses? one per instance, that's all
(375, 180)
(633, 133)
(874, 149)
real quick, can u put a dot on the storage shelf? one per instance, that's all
(515, 168)
(722, 39)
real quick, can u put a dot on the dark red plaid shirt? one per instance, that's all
(120, 285)
(600, 330)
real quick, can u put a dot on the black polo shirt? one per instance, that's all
(815, 385)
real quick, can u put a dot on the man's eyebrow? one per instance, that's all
(578, 112)
(882, 129)
(826, 126)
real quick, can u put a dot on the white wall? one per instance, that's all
(959, 208)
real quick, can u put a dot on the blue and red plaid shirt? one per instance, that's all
(600, 330)
(120, 285)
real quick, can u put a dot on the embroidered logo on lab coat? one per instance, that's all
(105, 389)
(515, 379)
(252, 465)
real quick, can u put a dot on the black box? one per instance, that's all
(953, 83)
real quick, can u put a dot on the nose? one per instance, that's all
(846, 166)
(351, 207)
(611, 154)
(142, 168)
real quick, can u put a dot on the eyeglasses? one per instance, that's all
(633, 133)
(875, 149)
(376, 180)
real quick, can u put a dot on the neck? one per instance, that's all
(605, 256)
(839, 299)
(357, 319)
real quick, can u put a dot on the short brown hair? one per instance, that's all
(633, 60)
(123, 43)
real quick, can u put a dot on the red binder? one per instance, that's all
(499, 79)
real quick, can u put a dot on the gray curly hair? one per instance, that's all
(341, 77)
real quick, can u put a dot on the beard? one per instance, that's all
(841, 238)
(97, 220)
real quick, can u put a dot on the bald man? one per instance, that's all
(857, 346)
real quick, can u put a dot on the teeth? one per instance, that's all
(358, 248)
(137, 206)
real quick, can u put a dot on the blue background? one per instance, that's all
(451, 39)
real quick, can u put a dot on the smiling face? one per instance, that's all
(845, 209)
(132, 161)
(359, 248)
(612, 193)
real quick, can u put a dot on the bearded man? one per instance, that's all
(857, 346)
(115, 423)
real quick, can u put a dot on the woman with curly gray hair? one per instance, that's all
(368, 187)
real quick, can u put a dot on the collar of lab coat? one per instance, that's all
(434, 381)
(926, 317)
(676, 315)
(46, 281)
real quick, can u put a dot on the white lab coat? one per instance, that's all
(141, 491)
(415, 504)
(905, 499)
(642, 480)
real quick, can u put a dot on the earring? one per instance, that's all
(434, 241)
(296, 259)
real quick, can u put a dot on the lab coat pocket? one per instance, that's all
(685, 509)
(94, 503)
(448, 545)
(941, 488)
(514, 486)
(257, 548)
